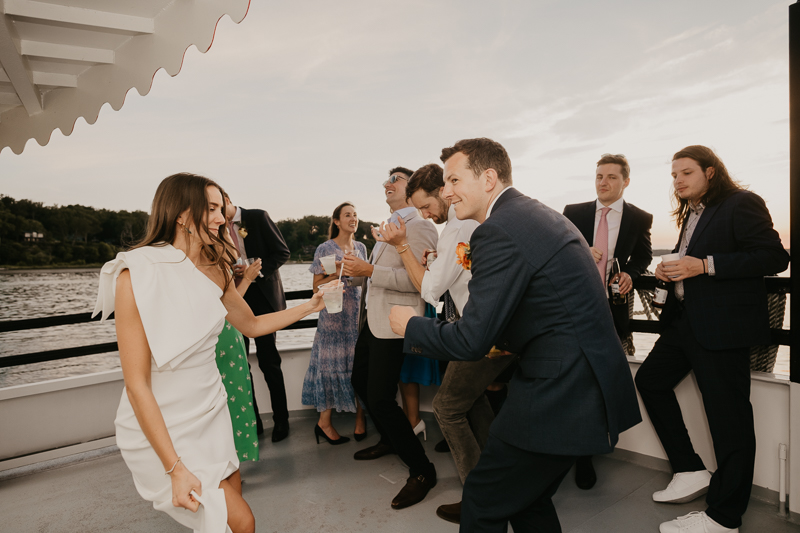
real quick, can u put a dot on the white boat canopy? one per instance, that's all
(64, 59)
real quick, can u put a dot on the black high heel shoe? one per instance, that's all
(319, 433)
(360, 436)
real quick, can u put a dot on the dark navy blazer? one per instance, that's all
(534, 292)
(264, 240)
(729, 310)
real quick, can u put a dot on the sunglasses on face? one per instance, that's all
(393, 178)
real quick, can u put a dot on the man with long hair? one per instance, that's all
(715, 311)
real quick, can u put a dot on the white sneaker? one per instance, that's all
(684, 487)
(694, 523)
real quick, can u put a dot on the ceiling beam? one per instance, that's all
(68, 52)
(78, 15)
(48, 78)
(16, 68)
(9, 99)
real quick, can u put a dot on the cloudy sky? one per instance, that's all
(306, 104)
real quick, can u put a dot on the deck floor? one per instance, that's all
(299, 486)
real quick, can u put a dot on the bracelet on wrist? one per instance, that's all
(168, 472)
(402, 248)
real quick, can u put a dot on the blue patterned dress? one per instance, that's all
(327, 382)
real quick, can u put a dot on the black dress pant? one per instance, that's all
(269, 361)
(376, 371)
(723, 377)
(512, 485)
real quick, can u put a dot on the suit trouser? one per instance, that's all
(376, 371)
(269, 361)
(723, 377)
(513, 485)
(461, 395)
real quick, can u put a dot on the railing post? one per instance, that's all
(794, 178)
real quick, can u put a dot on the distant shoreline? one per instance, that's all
(81, 269)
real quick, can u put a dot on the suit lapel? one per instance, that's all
(383, 247)
(586, 222)
(705, 218)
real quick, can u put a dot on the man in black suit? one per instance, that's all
(534, 292)
(716, 309)
(622, 230)
(256, 235)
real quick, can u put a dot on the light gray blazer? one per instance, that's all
(390, 284)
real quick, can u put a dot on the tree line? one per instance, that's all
(35, 235)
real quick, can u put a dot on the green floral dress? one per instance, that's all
(235, 372)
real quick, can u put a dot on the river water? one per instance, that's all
(61, 292)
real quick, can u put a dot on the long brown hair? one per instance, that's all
(333, 230)
(174, 195)
(720, 186)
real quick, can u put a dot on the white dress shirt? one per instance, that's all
(238, 239)
(445, 274)
(614, 219)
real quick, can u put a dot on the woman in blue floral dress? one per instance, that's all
(327, 382)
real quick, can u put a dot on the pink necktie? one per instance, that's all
(235, 237)
(601, 242)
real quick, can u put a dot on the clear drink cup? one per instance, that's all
(329, 264)
(247, 262)
(332, 295)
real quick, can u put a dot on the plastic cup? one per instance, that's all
(329, 264)
(332, 295)
(247, 262)
(670, 257)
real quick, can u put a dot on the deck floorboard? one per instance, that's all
(299, 486)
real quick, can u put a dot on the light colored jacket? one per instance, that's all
(390, 284)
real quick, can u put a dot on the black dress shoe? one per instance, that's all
(373, 452)
(451, 513)
(280, 431)
(585, 476)
(442, 446)
(414, 492)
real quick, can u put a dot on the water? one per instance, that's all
(60, 292)
(63, 292)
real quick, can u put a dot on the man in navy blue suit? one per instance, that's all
(534, 292)
(715, 311)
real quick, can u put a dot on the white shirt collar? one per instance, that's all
(616, 206)
(491, 205)
(238, 216)
(451, 213)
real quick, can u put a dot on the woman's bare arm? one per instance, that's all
(134, 355)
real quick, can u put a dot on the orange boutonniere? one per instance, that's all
(464, 254)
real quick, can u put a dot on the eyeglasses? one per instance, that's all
(393, 178)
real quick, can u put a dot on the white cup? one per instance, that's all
(332, 295)
(247, 262)
(329, 264)
(670, 257)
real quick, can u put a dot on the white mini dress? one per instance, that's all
(182, 315)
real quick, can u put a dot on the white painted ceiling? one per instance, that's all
(64, 59)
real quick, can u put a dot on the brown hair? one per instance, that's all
(616, 159)
(720, 186)
(174, 195)
(482, 154)
(429, 178)
(333, 230)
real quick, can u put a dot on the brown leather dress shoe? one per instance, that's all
(451, 513)
(414, 492)
(373, 452)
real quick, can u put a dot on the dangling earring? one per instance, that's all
(187, 230)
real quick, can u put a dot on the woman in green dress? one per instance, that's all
(235, 372)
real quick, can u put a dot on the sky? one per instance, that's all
(308, 104)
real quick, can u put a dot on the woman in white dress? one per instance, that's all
(171, 295)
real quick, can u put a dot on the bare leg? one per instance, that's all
(410, 394)
(361, 419)
(240, 517)
(326, 425)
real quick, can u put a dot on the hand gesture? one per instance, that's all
(316, 301)
(354, 266)
(391, 233)
(252, 271)
(597, 253)
(683, 268)
(184, 482)
(399, 317)
(625, 282)
(238, 270)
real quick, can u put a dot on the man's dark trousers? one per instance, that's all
(376, 371)
(723, 377)
(269, 361)
(507, 479)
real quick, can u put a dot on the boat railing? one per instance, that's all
(777, 288)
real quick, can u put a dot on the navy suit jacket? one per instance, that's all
(633, 247)
(264, 240)
(729, 310)
(534, 292)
